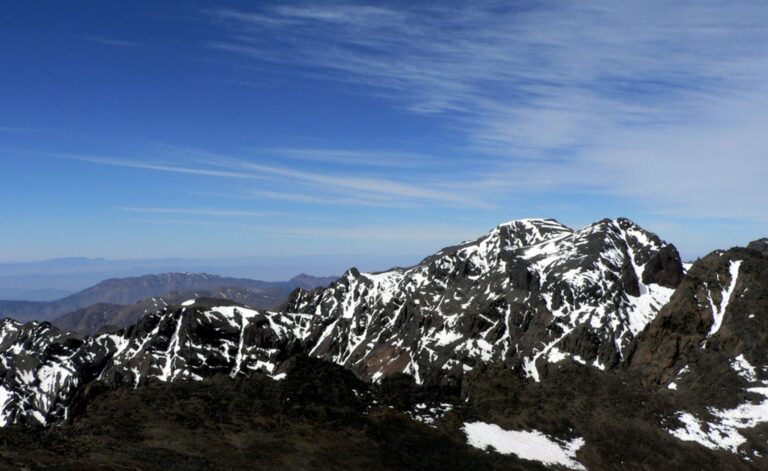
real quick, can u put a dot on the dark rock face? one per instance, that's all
(722, 306)
(319, 417)
(761, 245)
(664, 268)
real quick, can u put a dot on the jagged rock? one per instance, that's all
(664, 268)
(528, 292)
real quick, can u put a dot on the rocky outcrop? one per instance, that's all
(708, 350)
(720, 308)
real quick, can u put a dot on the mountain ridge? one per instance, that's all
(509, 266)
(572, 337)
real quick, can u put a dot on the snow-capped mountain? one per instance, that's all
(528, 293)
(566, 339)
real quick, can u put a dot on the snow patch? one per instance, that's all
(741, 366)
(555, 355)
(445, 337)
(528, 445)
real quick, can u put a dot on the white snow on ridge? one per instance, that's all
(718, 313)
(385, 283)
(528, 445)
(692, 431)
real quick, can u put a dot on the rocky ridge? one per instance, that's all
(565, 338)
(527, 293)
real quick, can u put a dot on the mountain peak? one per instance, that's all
(761, 245)
(528, 293)
(537, 224)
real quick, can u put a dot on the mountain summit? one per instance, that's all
(528, 293)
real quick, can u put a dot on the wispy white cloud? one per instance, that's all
(356, 183)
(198, 212)
(446, 234)
(173, 168)
(350, 188)
(661, 101)
(337, 235)
(358, 158)
(176, 222)
(321, 198)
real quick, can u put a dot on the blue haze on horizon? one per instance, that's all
(385, 131)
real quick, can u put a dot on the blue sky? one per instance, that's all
(141, 130)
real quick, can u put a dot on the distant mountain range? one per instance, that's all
(536, 346)
(50, 280)
(127, 291)
(103, 317)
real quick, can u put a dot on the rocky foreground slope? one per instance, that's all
(572, 349)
